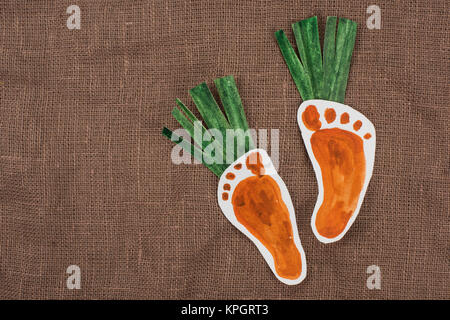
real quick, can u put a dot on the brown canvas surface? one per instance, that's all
(86, 178)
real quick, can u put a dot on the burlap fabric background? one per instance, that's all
(87, 179)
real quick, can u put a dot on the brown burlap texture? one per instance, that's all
(87, 179)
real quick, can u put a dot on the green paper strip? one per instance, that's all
(306, 34)
(208, 108)
(193, 119)
(329, 50)
(301, 78)
(188, 112)
(195, 151)
(210, 111)
(214, 119)
(204, 138)
(316, 78)
(229, 95)
(189, 127)
(345, 42)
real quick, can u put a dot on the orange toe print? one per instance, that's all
(260, 209)
(230, 176)
(311, 118)
(345, 118)
(343, 162)
(330, 115)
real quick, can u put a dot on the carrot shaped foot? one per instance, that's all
(255, 200)
(341, 145)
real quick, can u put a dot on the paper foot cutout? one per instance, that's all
(341, 145)
(255, 200)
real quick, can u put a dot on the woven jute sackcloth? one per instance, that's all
(86, 178)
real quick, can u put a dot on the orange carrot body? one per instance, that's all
(258, 205)
(340, 155)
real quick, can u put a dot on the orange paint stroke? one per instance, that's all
(254, 164)
(367, 136)
(330, 115)
(311, 118)
(345, 118)
(357, 125)
(340, 155)
(230, 176)
(259, 207)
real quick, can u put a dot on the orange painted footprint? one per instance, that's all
(341, 145)
(255, 200)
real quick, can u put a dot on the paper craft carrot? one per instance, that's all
(251, 194)
(340, 140)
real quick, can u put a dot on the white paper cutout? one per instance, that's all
(369, 151)
(227, 209)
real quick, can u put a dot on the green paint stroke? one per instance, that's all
(314, 77)
(214, 119)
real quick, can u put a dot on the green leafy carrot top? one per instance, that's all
(318, 78)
